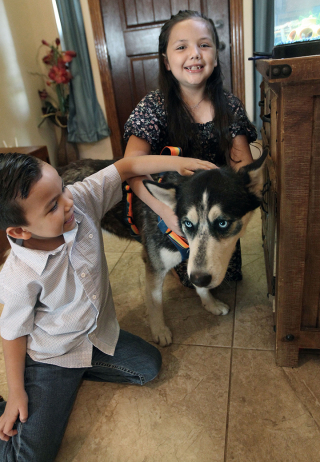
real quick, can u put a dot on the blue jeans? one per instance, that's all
(52, 391)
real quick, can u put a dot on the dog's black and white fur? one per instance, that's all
(213, 208)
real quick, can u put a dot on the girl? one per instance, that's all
(191, 110)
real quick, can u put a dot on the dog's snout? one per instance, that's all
(200, 279)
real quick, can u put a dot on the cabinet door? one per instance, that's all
(269, 116)
(269, 226)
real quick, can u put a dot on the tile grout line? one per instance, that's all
(303, 404)
(230, 378)
(118, 259)
(253, 261)
(226, 347)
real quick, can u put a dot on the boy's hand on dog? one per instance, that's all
(16, 407)
(186, 166)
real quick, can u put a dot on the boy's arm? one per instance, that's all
(137, 162)
(17, 404)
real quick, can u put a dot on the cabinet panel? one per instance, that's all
(311, 289)
(269, 229)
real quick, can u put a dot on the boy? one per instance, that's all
(59, 324)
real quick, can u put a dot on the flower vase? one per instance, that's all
(67, 152)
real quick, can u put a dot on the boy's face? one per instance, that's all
(49, 206)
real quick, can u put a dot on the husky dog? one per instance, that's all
(213, 209)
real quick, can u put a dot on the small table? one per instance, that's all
(41, 152)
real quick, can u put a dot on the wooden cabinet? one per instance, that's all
(41, 152)
(290, 110)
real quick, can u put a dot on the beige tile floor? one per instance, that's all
(219, 396)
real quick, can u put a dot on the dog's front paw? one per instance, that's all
(218, 308)
(211, 304)
(162, 336)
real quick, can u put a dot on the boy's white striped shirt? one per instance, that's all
(62, 299)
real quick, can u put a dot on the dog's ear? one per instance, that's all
(165, 193)
(254, 174)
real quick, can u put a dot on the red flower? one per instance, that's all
(68, 56)
(48, 59)
(59, 74)
(43, 94)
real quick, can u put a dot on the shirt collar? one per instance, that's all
(37, 259)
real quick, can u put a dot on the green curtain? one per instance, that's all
(86, 123)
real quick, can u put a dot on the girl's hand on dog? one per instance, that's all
(170, 219)
(186, 166)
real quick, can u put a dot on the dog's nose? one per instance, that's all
(200, 279)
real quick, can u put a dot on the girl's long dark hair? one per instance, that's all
(181, 126)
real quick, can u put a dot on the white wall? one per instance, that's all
(23, 25)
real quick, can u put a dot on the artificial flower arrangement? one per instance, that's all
(58, 79)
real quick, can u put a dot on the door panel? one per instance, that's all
(141, 42)
(145, 11)
(132, 30)
(144, 75)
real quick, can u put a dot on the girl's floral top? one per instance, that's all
(149, 121)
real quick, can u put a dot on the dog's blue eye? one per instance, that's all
(188, 224)
(223, 224)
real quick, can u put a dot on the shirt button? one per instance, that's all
(94, 297)
(90, 236)
(83, 275)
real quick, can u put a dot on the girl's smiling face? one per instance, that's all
(191, 53)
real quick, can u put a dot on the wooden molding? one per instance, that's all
(237, 48)
(105, 75)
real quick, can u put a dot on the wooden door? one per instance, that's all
(126, 34)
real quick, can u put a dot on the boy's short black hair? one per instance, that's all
(18, 173)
